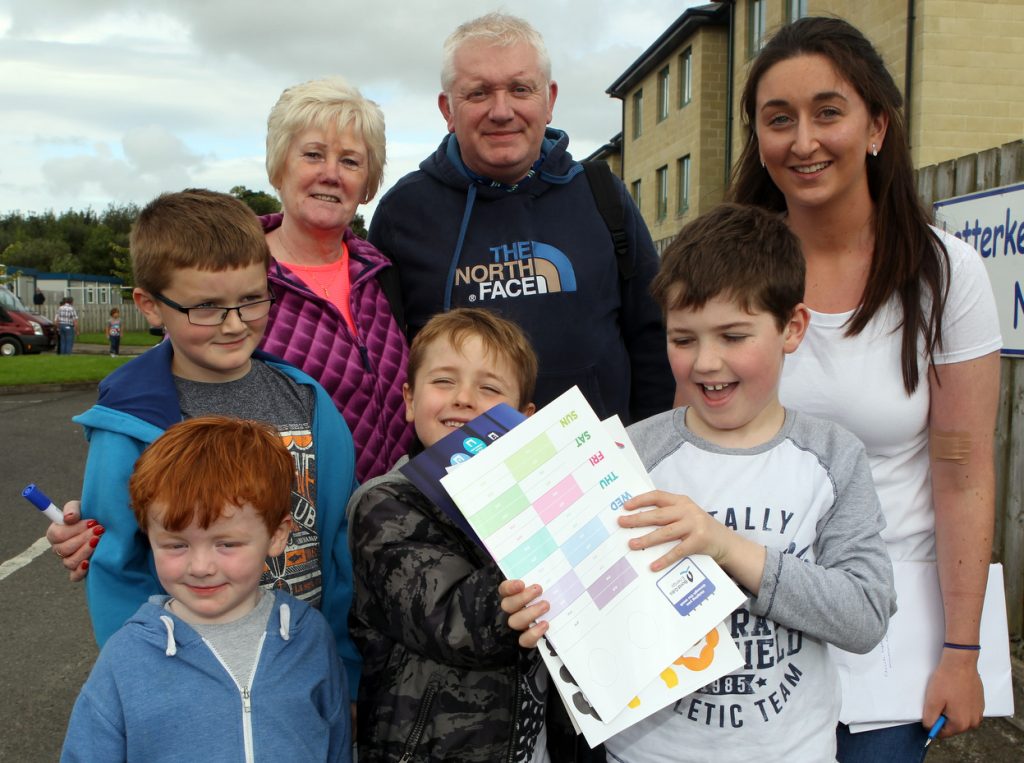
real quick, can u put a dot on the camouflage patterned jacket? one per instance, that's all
(443, 676)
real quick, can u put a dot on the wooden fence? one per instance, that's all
(92, 318)
(978, 172)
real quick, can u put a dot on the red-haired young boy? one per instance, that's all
(259, 668)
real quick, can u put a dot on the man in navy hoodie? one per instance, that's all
(502, 217)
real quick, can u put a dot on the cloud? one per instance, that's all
(116, 100)
(152, 161)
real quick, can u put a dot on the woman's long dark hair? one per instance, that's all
(909, 259)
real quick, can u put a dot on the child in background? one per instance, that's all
(114, 332)
(782, 501)
(443, 676)
(217, 669)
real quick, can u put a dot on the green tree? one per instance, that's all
(358, 225)
(260, 202)
(122, 267)
(96, 254)
(67, 263)
(39, 253)
(120, 219)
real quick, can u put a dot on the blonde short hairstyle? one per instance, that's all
(498, 29)
(325, 103)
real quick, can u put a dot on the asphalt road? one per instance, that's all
(46, 645)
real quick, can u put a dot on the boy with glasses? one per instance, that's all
(200, 262)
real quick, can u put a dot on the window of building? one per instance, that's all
(683, 174)
(663, 96)
(638, 113)
(635, 190)
(758, 25)
(90, 295)
(795, 9)
(662, 180)
(685, 77)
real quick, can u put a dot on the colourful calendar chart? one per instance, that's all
(545, 499)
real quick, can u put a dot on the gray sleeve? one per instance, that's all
(844, 597)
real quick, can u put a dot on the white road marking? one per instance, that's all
(16, 563)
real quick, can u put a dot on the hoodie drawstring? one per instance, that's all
(172, 648)
(286, 616)
(470, 198)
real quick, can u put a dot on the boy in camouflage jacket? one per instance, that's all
(444, 678)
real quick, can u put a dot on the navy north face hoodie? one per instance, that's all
(538, 253)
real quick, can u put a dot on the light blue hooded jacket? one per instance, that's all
(159, 693)
(137, 402)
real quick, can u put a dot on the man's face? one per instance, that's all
(498, 108)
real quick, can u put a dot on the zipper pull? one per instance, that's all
(246, 706)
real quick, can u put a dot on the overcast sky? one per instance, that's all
(118, 100)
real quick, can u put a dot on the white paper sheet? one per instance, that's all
(888, 683)
(545, 500)
(709, 659)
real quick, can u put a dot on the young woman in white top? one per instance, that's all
(903, 345)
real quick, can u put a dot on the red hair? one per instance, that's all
(200, 467)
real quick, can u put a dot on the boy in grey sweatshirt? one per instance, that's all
(783, 502)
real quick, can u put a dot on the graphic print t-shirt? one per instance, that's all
(783, 702)
(266, 394)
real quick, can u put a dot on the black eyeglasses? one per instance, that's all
(216, 314)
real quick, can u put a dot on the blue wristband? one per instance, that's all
(963, 647)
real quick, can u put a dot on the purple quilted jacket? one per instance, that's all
(363, 374)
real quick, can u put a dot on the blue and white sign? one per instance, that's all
(993, 223)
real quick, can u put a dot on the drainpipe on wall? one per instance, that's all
(622, 150)
(728, 93)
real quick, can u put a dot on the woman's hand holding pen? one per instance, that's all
(74, 541)
(955, 690)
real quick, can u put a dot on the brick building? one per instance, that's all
(681, 125)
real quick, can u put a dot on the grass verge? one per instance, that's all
(48, 368)
(128, 339)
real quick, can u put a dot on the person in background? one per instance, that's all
(67, 325)
(903, 343)
(114, 332)
(502, 217)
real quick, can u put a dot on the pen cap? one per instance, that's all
(36, 497)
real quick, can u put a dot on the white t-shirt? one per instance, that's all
(858, 383)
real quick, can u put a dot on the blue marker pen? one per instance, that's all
(934, 732)
(37, 498)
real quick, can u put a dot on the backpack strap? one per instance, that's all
(609, 205)
(390, 285)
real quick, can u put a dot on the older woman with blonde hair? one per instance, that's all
(335, 292)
